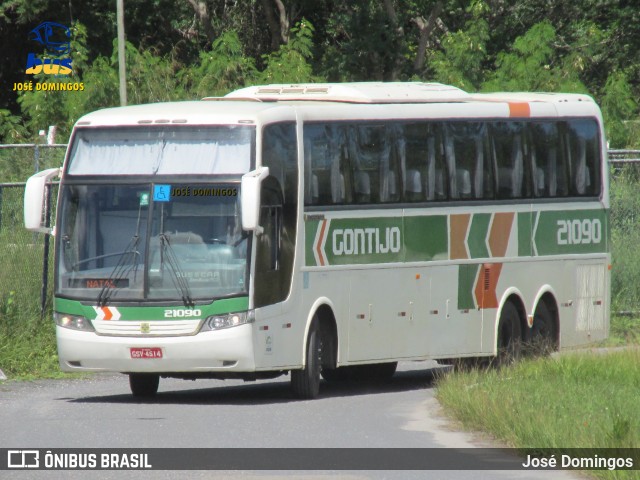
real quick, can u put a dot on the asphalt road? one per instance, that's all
(99, 412)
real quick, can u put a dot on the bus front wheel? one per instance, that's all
(144, 384)
(305, 383)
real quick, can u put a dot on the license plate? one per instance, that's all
(146, 352)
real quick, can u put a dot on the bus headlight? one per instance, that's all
(227, 320)
(73, 322)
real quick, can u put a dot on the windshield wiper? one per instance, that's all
(121, 270)
(178, 278)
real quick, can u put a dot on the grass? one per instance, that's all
(625, 330)
(572, 401)
(30, 353)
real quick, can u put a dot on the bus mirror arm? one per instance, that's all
(35, 201)
(250, 198)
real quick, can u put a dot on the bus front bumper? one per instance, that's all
(227, 350)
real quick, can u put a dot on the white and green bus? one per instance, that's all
(327, 230)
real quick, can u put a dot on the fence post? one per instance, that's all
(36, 158)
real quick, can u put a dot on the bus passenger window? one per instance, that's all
(362, 187)
(583, 152)
(514, 180)
(413, 186)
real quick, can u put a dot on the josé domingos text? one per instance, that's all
(567, 461)
(204, 192)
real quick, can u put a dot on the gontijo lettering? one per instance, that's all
(360, 241)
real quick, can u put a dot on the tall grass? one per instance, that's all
(27, 337)
(574, 401)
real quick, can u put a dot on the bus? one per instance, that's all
(327, 231)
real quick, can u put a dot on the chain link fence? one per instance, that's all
(26, 261)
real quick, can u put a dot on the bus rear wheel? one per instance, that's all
(305, 383)
(144, 385)
(509, 336)
(543, 333)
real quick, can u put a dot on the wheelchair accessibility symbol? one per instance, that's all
(161, 193)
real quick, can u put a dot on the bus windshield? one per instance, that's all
(124, 242)
(161, 150)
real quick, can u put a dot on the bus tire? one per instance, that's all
(144, 384)
(509, 336)
(305, 383)
(543, 332)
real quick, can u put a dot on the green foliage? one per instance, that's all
(290, 64)
(460, 62)
(532, 65)
(618, 106)
(28, 349)
(100, 90)
(223, 68)
(530, 45)
(150, 77)
(11, 128)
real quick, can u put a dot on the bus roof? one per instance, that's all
(249, 105)
(189, 112)
(388, 93)
(357, 92)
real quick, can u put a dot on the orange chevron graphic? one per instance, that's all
(457, 240)
(499, 233)
(319, 244)
(486, 283)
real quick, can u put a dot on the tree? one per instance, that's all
(532, 65)
(223, 68)
(461, 60)
(290, 64)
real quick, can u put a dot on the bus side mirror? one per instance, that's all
(250, 198)
(34, 200)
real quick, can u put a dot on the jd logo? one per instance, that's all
(56, 39)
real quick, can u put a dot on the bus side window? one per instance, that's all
(414, 161)
(362, 186)
(583, 150)
(545, 158)
(392, 163)
(511, 151)
(435, 185)
(466, 144)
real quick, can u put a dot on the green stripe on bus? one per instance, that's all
(426, 238)
(421, 238)
(477, 239)
(565, 232)
(225, 305)
(467, 274)
(525, 237)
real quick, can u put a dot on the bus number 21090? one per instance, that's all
(574, 232)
